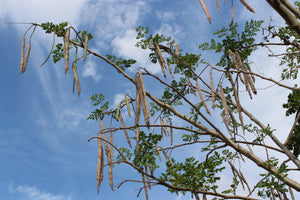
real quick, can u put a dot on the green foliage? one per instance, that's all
(145, 155)
(122, 63)
(194, 175)
(233, 40)
(59, 29)
(293, 104)
(99, 113)
(147, 40)
(272, 182)
(126, 153)
(293, 107)
(58, 53)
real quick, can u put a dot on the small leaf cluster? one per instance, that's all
(147, 40)
(122, 63)
(99, 113)
(58, 29)
(58, 53)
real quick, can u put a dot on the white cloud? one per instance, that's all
(33, 193)
(125, 47)
(40, 11)
(118, 98)
(90, 71)
(113, 18)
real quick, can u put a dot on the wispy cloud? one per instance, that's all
(90, 71)
(33, 193)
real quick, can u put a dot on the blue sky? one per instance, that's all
(44, 153)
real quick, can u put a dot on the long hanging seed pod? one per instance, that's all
(205, 10)
(67, 49)
(125, 131)
(201, 96)
(212, 90)
(232, 12)
(177, 52)
(76, 79)
(246, 75)
(86, 39)
(161, 59)
(171, 132)
(118, 111)
(237, 100)
(137, 111)
(144, 99)
(236, 64)
(111, 139)
(22, 54)
(225, 106)
(127, 105)
(107, 151)
(170, 69)
(100, 163)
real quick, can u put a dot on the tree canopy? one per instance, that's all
(200, 104)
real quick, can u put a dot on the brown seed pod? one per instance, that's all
(118, 111)
(237, 100)
(218, 6)
(170, 69)
(100, 163)
(76, 79)
(247, 76)
(240, 64)
(236, 63)
(137, 111)
(224, 104)
(202, 97)
(125, 131)
(176, 49)
(107, 151)
(127, 105)
(247, 6)
(205, 10)
(22, 55)
(144, 99)
(212, 90)
(86, 39)
(161, 59)
(232, 13)
(111, 139)
(28, 48)
(171, 132)
(67, 49)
